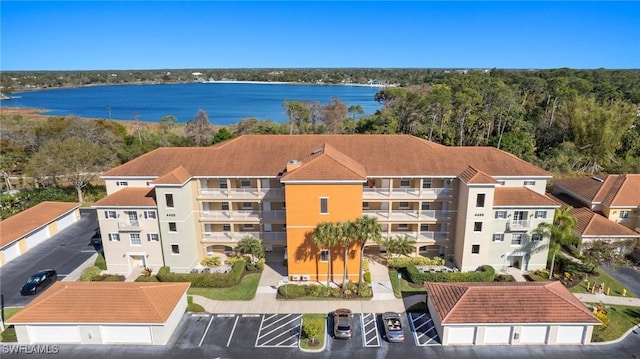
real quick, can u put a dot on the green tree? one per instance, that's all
(299, 116)
(609, 253)
(251, 246)
(222, 135)
(401, 245)
(559, 232)
(325, 237)
(346, 233)
(311, 328)
(367, 229)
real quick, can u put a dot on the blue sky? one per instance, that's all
(94, 35)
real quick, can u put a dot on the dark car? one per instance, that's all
(39, 281)
(392, 327)
(342, 326)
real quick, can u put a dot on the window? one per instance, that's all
(403, 226)
(110, 214)
(426, 183)
(223, 183)
(168, 197)
(324, 255)
(122, 183)
(477, 226)
(475, 249)
(114, 237)
(245, 184)
(405, 183)
(247, 226)
(529, 183)
(536, 237)
(173, 227)
(501, 214)
(498, 237)
(225, 206)
(404, 205)
(134, 238)
(480, 200)
(324, 205)
(520, 215)
(153, 237)
(424, 227)
(426, 206)
(516, 239)
(541, 214)
(365, 205)
(226, 228)
(150, 215)
(247, 205)
(624, 215)
(175, 249)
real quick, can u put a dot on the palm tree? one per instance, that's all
(367, 229)
(401, 245)
(324, 236)
(346, 233)
(560, 232)
(252, 246)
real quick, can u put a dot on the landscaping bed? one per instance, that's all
(598, 277)
(621, 319)
(314, 329)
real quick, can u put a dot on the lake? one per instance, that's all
(225, 103)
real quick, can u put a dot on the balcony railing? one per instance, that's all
(240, 215)
(130, 225)
(406, 215)
(411, 192)
(237, 236)
(241, 193)
(274, 236)
(518, 225)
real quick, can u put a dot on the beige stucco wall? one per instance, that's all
(110, 183)
(162, 334)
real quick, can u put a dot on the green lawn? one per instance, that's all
(193, 307)
(9, 335)
(402, 288)
(304, 342)
(621, 319)
(609, 282)
(246, 290)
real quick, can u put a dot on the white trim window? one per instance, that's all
(540, 214)
(175, 249)
(110, 214)
(324, 255)
(403, 205)
(173, 227)
(245, 183)
(624, 215)
(153, 237)
(226, 228)
(247, 205)
(403, 226)
(150, 215)
(114, 237)
(475, 249)
(426, 183)
(480, 198)
(405, 183)
(529, 183)
(516, 239)
(498, 237)
(247, 227)
(501, 214)
(134, 239)
(225, 206)
(477, 226)
(536, 237)
(168, 197)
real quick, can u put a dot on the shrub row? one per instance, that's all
(205, 280)
(292, 291)
(416, 261)
(101, 262)
(485, 273)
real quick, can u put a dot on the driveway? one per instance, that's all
(63, 252)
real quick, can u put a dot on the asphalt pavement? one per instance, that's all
(63, 252)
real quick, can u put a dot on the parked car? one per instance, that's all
(39, 281)
(392, 327)
(342, 326)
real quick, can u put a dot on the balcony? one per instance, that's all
(432, 236)
(130, 226)
(242, 215)
(400, 215)
(274, 236)
(518, 225)
(237, 236)
(404, 193)
(241, 193)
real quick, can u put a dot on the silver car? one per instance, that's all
(342, 326)
(392, 327)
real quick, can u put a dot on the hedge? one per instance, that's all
(100, 262)
(485, 273)
(418, 261)
(205, 280)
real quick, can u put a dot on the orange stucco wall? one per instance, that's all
(303, 215)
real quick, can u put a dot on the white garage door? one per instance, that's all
(126, 334)
(55, 334)
(66, 221)
(497, 335)
(570, 335)
(462, 335)
(533, 335)
(11, 252)
(37, 237)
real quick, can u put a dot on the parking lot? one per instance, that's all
(283, 331)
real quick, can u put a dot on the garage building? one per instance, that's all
(102, 313)
(508, 313)
(27, 229)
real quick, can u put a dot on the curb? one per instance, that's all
(622, 337)
(75, 275)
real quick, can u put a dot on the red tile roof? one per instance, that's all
(178, 176)
(129, 197)
(380, 155)
(507, 302)
(610, 190)
(31, 219)
(590, 224)
(327, 164)
(472, 175)
(103, 302)
(521, 196)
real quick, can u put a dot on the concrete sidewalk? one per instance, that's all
(608, 299)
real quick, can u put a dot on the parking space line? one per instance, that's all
(232, 330)
(280, 323)
(374, 341)
(205, 331)
(275, 322)
(425, 332)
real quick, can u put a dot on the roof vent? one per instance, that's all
(317, 150)
(597, 179)
(293, 164)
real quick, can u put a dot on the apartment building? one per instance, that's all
(175, 206)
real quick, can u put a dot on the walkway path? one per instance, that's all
(608, 299)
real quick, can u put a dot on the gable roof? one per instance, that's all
(31, 219)
(129, 197)
(178, 176)
(521, 196)
(507, 302)
(610, 190)
(327, 163)
(103, 302)
(379, 155)
(590, 224)
(473, 176)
